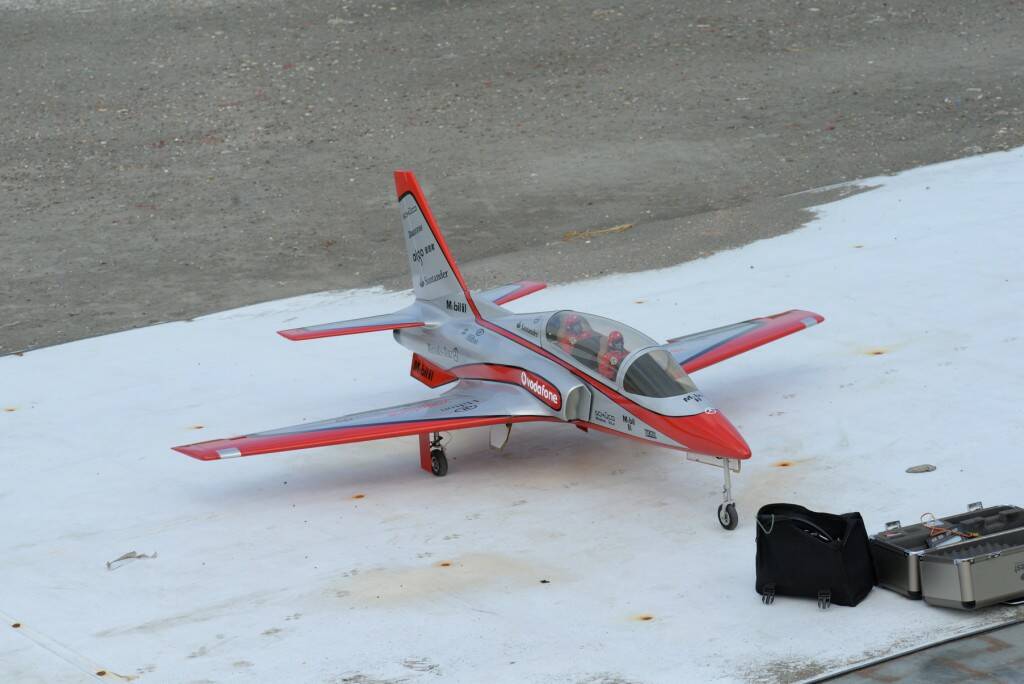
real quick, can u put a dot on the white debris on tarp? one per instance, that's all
(566, 557)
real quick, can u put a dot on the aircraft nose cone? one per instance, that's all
(714, 435)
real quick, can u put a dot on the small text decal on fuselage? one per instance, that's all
(525, 327)
(455, 306)
(444, 350)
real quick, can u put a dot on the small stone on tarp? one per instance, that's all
(923, 468)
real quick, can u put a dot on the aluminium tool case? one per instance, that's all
(897, 550)
(975, 573)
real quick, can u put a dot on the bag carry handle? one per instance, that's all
(814, 526)
(770, 527)
(815, 530)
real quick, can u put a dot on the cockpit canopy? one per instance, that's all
(604, 347)
(656, 374)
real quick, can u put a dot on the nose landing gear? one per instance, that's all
(727, 516)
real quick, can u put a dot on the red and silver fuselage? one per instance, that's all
(517, 349)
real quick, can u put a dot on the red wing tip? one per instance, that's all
(196, 453)
(294, 334)
(808, 318)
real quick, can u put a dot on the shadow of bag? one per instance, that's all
(815, 555)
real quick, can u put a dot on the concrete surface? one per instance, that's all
(996, 657)
(160, 160)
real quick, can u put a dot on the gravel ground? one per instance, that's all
(160, 160)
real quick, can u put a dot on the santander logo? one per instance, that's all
(546, 393)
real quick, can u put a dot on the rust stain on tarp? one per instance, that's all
(463, 577)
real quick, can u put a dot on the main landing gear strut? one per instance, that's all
(432, 456)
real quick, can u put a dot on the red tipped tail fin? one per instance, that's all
(435, 276)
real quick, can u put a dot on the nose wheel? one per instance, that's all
(727, 516)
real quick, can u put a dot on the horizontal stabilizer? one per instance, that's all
(400, 319)
(706, 348)
(506, 293)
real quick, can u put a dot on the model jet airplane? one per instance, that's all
(505, 368)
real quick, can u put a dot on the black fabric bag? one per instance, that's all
(817, 555)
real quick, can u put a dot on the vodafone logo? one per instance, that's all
(547, 394)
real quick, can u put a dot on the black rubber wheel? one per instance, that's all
(727, 516)
(438, 462)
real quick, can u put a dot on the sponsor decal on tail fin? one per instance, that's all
(435, 277)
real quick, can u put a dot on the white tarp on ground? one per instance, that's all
(349, 564)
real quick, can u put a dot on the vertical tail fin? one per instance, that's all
(435, 277)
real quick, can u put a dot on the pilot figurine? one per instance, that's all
(608, 366)
(574, 333)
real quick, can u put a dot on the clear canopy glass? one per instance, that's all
(656, 374)
(618, 354)
(584, 338)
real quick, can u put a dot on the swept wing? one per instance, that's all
(706, 348)
(470, 403)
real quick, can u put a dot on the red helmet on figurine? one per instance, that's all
(615, 341)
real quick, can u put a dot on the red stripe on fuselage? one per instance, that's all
(541, 388)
